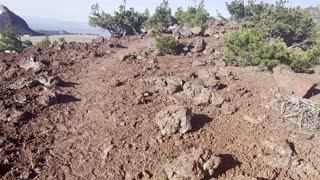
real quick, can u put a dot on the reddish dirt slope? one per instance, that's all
(96, 129)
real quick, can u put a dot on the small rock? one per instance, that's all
(196, 31)
(11, 73)
(203, 98)
(220, 63)
(25, 175)
(23, 84)
(178, 143)
(217, 100)
(185, 32)
(13, 115)
(174, 119)
(50, 81)
(209, 32)
(281, 147)
(31, 64)
(228, 109)
(143, 98)
(199, 46)
(302, 170)
(170, 85)
(251, 119)
(47, 97)
(128, 57)
(209, 50)
(199, 63)
(277, 162)
(216, 36)
(199, 164)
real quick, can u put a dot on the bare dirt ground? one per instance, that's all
(95, 129)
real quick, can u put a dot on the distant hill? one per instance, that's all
(49, 32)
(19, 25)
(53, 24)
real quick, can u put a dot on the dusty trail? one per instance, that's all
(85, 138)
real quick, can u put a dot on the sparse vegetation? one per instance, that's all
(45, 42)
(269, 31)
(9, 41)
(194, 16)
(162, 18)
(27, 43)
(166, 44)
(123, 22)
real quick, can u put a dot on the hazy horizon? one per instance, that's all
(79, 11)
(72, 15)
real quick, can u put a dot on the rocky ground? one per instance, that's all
(116, 109)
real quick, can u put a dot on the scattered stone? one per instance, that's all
(150, 32)
(3, 67)
(3, 141)
(31, 64)
(47, 97)
(209, 32)
(152, 68)
(23, 84)
(199, 164)
(302, 170)
(281, 147)
(185, 32)
(11, 73)
(199, 63)
(13, 115)
(228, 109)
(50, 81)
(174, 119)
(128, 57)
(216, 36)
(217, 99)
(178, 143)
(220, 63)
(199, 46)
(206, 74)
(170, 85)
(117, 83)
(209, 50)
(277, 162)
(143, 98)
(203, 98)
(196, 31)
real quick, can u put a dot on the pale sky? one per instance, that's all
(79, 10)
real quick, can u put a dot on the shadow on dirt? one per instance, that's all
(67, 84)
(227, 162)
(198, 121)
(64, 99)
(4, 168)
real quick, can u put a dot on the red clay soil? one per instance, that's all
(97, 130)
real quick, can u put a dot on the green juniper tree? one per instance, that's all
(9, 41)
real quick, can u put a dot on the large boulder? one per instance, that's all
(290, 82)
(30, 63)
(199, 164)
(196, 31)
(174, 119)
